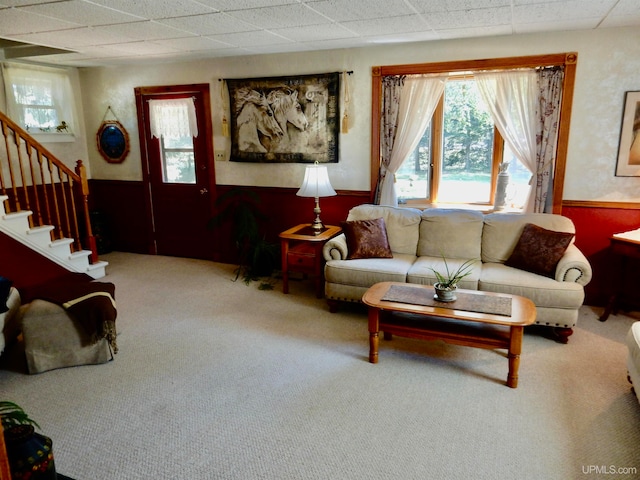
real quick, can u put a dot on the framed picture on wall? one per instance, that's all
(285, 119)
(629, 150)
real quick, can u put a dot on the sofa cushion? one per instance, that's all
(403, 225)
(539, 250)
(367, 239)
(367, 271)
(453, 233)
(502, 231)
(543, 291)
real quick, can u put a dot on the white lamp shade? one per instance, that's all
(316, 182)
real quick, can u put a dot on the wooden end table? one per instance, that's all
(444, 322)
(622, 250)
(301, 252)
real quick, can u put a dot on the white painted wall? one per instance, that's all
(608, 66)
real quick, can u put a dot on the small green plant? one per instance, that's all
(450, 279)
(12, 414)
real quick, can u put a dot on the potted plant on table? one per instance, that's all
(447, 283)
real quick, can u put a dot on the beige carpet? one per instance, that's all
(219, 380)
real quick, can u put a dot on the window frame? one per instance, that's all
(568, 60)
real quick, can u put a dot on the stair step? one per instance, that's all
(3, 198)
(18, 221)
(61, 248)
(80, 259)
(41, 235)
(98, 269)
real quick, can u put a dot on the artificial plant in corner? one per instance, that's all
(256, 256)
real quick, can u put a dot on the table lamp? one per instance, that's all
(316, 184)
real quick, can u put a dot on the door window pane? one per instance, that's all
(178, 162)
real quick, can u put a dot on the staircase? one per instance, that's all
(44, 203)
(16, 225)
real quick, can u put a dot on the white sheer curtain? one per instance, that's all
(174, 118)
(418, 100)
(511, 97)
(39, 96)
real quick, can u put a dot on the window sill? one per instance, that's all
(53, 137)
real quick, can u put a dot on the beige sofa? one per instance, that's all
(418, 239)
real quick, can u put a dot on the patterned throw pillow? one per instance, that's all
(539, 250)
(367, 239)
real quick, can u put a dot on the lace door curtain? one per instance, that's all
(174, 118)
(408, 105)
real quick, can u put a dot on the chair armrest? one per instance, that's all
(336, 248)
(574, 267)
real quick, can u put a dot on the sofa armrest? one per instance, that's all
(574, 267)
(336, 248)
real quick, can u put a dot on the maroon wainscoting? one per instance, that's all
(122, 207)
(594, 226)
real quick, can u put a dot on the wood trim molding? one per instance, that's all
(601, 204)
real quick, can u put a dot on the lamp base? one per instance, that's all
(317, 225)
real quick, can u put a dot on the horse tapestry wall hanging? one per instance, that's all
(285, 119)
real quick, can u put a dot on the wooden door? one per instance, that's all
(179, 177)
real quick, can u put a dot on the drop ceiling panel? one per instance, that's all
(274, 26)
(209, 24)
(348, 10)
(155, 9)
(279, 17)
(82, 13)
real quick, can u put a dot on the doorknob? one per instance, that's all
(203, 191)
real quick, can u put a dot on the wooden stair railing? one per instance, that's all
(34, 179)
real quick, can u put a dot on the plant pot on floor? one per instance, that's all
(30, 454)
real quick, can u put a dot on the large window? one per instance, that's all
(39, 98)
(460, 156)
(461, 164)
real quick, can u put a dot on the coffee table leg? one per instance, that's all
(374, 327)
(515, 347)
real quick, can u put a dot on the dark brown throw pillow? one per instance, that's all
(367, 239)
(539, 250)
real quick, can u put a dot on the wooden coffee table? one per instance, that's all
(473, 326)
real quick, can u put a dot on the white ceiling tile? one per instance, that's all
(247, 39)
(13, 21)
(194, 43)
(229, 5)
(209, 24)
(146, 30)
(471, 18)
(470, 32)
(82, 13)
(568, 10)
(156, 9)
(19, 3)
(73, 39)
(404, 37)
(315, 32)
(142, 48)
(578, 24)
(431, 6)
(279, 17)
(388, 25)
(346, 10)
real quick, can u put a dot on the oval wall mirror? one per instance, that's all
(113, 141)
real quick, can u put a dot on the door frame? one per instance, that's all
(142, 94)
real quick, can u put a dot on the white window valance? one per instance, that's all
(174, 118)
